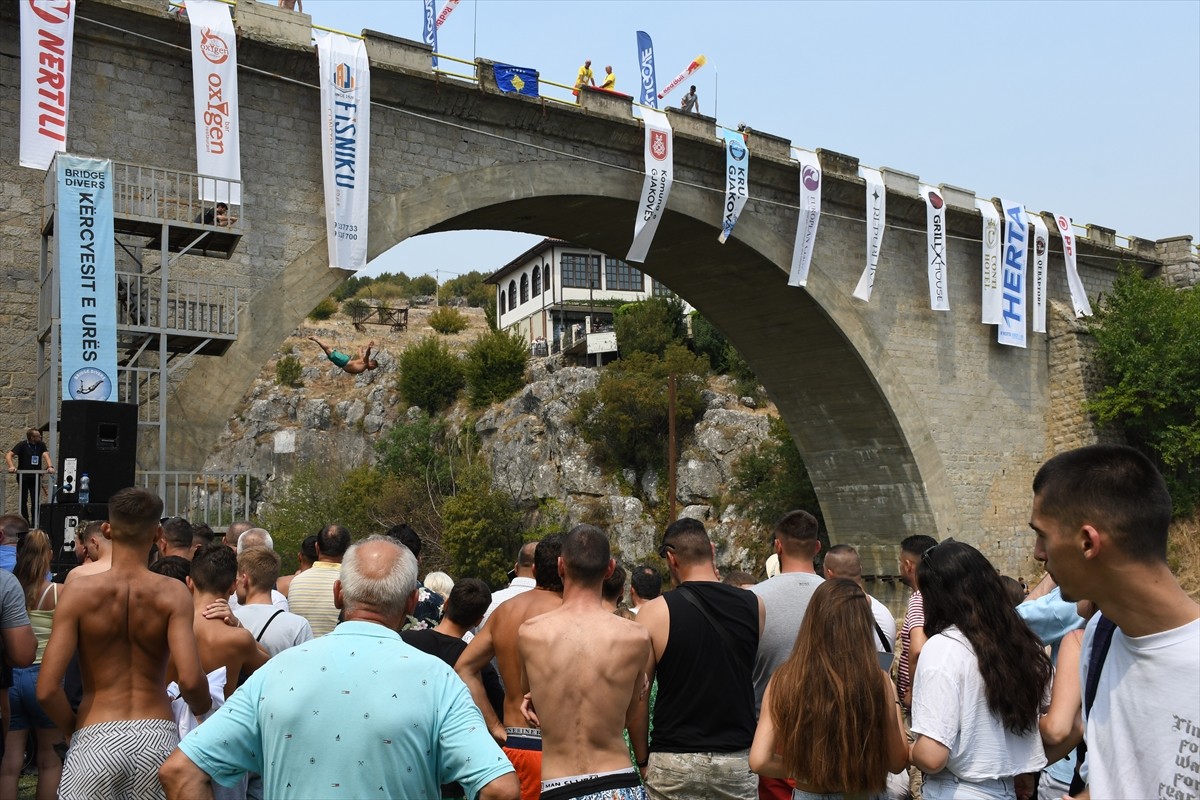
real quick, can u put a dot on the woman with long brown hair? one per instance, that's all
(830, 717)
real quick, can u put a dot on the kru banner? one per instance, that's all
(1013, 273)
(47, 30)
(935, 248)
(1039, 270)
(876, 222)
(810, 215)
(737, 181)
(646, 67)
(345, 145)
(656, 187)
(992, 299)
(1079, 298)
(87, 278)
(215, 93)
(429, 27)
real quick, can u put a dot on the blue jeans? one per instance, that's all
(22, 698)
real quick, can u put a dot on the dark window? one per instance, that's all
(546, 276)
(524, 289)
(503, 304)
(537, 280)
(660, 290)
(512, 294)
(621, 277)
(575, 272)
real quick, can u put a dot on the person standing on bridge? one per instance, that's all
(610, 80)
(690, 103)
(353, 366)
(584, 78)
(32, 454)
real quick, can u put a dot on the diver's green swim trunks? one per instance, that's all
(339, 358)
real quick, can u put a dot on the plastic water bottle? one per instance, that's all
(84, 488)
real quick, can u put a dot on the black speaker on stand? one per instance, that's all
(101, 437)
(63, 522)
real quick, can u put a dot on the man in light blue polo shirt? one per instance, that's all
(357, 713)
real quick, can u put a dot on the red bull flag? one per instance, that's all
(656, 187)
(935, 248)
(47, 31)
(215, 99)
(683, 76)
(447, 10)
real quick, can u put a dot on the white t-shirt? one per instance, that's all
(1143, 734)
(516, 587)
(950, 707)
(886, 623)
(278, 599)
(286, 630)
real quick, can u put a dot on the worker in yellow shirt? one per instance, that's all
(610, 80)
(584, 78)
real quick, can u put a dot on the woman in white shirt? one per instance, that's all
(980, 683)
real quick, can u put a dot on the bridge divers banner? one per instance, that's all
(646, 67)
(991, 298)
(1079, 298)
(810, 215)
(215, 93)
(345, 145)
(1013, 274)
(1038, 272)
(87, 279)
(737, 181)
(660, 157)
(47, 31)
(876, 222)
(935, 248)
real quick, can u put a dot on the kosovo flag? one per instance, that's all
(521, 80)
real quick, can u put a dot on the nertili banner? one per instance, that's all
(1079, 298)
(47, 30)
(646, 67)
(810, 215)
(656, 187)
(87, 278)
(992, 299)
(1038, 272)
(1012, 281)
(737, 181)
(215, 93)
(935, 248)
(345, 145)
(876, 222)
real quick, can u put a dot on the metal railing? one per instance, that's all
(44, 487)
(192, 306)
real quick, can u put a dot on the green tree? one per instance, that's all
(287, 371)
(469, 286)
(447, 320)
(356, 309)
(481, 528)
(324, 310)
(431, 375)
(1148, 345)
(649, 326)
(495, 367)
(351, 286)
(708, 341)
(423, 285)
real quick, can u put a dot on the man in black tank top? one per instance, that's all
(704, 637)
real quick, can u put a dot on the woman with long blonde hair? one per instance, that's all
(830, 716)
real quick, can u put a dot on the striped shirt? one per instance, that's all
(311, 596)
(913, 618)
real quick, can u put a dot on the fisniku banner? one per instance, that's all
(876, 222)
(810, 215)
(1038, 272)
(345, 145)
(215, 95)
(935, 248)
(737, 181)
(991, 298)
(1012, 275)
(47, 32)
(656, 186)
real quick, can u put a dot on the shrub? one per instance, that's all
(287, 371)
(356, 309)
(649, 326)
(424, 284)
(324, 310)
(447, 320)
(481, 529)
(709, 342)
(431, 375)
(469, 286)
(495, 367)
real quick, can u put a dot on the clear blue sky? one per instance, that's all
(1091, 109)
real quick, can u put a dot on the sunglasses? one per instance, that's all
(664, 548)
(925, 555)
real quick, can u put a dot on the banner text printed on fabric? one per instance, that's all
(1014, 266)
(345, 143)
(216, 112)
(52, 80)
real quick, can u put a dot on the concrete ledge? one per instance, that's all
(1102, 235)
(768, 145)
(393, 52)
(901, 182)
(962, 198)
(273, 24)
(606, 104)
(697, 125)
(835, 163)
(152, 7)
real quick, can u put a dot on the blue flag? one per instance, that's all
(429, 31)
(649, 94)
(518, 80)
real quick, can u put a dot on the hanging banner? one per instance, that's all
(345, 145)
(1039, 272)
(683, 76)
(656, 187)
(876, 222)
(737, 181)
(87, 278)
(215, 98)
(810, 215)
(992, 300)
(47, 31)
(935, 248)
(1013, 275)
(429, 27)
(447, 10)
(646, 63)
(1079, 298)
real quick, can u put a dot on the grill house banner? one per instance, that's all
(47, 30)
(1038, 272)
(87, 278)
(992, 298)
(215, 93)
(657, 184)
(1079, 298)
(737, 181)
(1013, 275)
(935, 248)
(876, 222)
(345, 145)
(810, 215)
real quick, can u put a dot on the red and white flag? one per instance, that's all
(810, 215)
(1038, 272)
(660, 157)
(1079, 297)
(215, 95)
(447, 10)
(47, 30)
(992, 298)
(699, 62)
(935, 248)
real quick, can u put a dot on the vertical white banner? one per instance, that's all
(737, 181)
(47, 31)
(1012, 276)
(935, 248)
(876, 222)
(215, 94)
(1079, 297)
(810, 215)
(1039, 271)
(660, 157)
(345, 145)
(992, 300)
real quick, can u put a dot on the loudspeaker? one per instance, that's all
(102, 438)
(62, 522)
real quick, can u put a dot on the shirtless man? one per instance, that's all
(125, 622)
(586, 666)
(522, 744)
(353, 366)
(99, 553)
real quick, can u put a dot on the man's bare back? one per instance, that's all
(221, 645)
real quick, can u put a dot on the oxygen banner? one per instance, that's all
(47, 31)
(810, 215)
(992, 299)
(646, 65)
(683, 76)
(87, 278)
(657, 184)
(737, 181)
(345, 145)
(876, 222)
(1079, 298)
(1012, 283)
(935, 248)
(428, 27)
(215, 97)
(1037, 279)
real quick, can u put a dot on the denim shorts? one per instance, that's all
(22, 699)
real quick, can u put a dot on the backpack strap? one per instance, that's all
(887, 646)
(686, 593)
(267, 624)
(1097, 653)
